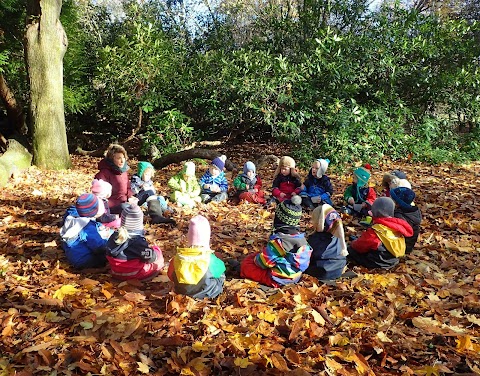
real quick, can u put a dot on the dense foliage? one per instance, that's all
(338, 79)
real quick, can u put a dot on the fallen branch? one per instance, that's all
(190, 154)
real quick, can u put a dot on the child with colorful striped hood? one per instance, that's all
(195, 270)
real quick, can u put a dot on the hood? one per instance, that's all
(72, 227)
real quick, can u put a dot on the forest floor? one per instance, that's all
(421, 318)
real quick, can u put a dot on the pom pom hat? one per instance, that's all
(89, 205)
(189, 168)
(142, 167)
(132, 218)
(288, 212)
(199, 232)
(101, 188)
(363, 175)
(219, 162)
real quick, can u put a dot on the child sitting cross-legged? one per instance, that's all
(128, 252)
(249, 185)
(185, 187)
(83, 238)
(214, 183)
(287, 254)
(195, 270)
(142, 187)
(286, 181)
(359, 196)
(406, 209)
(329, 253)
(317, 186)
(381, 245)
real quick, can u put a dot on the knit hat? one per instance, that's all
(219, 162)
(326, 219)
(383, 207)
(286, 161)
(402, 196)
(189, 168)
(132, 218)
(142, 166)
(199, 232)
(89, 205)
(288, 212)
(101, 188)
(249, 166)
(323, 167)
(362, 175)
(399, 174)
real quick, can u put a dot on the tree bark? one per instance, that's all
(14, 109)
(190, 154)
(46, 44)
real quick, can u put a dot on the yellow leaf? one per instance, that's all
(267, 316)
(383, 337)
(338, 340)
(464, 343)
(318, 317)
(244, 217)
(143, 368)
(64, 291)
(428, 371)
(53, 317)
(199, 346)
(242, 362)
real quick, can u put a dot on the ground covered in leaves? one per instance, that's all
(422, 318)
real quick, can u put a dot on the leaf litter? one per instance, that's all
(421, 318)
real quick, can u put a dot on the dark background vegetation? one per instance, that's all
(344, 79)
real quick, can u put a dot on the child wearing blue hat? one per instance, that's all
(406, 209)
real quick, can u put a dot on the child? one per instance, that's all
(214, 183)
(317, 187)
(381, 245)
(249, 185)
(407, 210)
(113, 169)
(128, 252)
(195, 270)
(103, 190)
(287, 253)
(83, 238)
(142, 187)
(286, 181)
(359, 196)
(329, 253)
(394, 179)
(186, 190)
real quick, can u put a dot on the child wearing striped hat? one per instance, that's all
(128, 252)
(214, 183)
(287, 254)
(83, 238)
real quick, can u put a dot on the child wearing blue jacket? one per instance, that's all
(214, 183)
(83, 238)
(317, 187)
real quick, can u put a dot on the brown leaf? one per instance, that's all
(279, 363)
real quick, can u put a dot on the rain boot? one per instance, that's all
(155, 213)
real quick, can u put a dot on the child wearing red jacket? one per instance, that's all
(381, 245)
(286, 181)
(249, 185)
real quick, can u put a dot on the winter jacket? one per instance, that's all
(286, 184)
(286, 255)
(413, 216)
(189, 187)
(197, 272)
(119, 180)
(326, 261)
(381, 245)
(318, 187)
(243, 184)
(84, 240)
(137, 185)
(360, 195)
(134, 258)
(220, 180)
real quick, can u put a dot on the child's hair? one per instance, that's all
(123, 235)
(114, 149)
(289, 162)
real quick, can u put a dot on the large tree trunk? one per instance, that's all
(45, 47)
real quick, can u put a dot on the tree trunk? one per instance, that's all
(190, 154)
(14, 109)
(46, 44)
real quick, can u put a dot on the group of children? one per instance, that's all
(106, 225)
